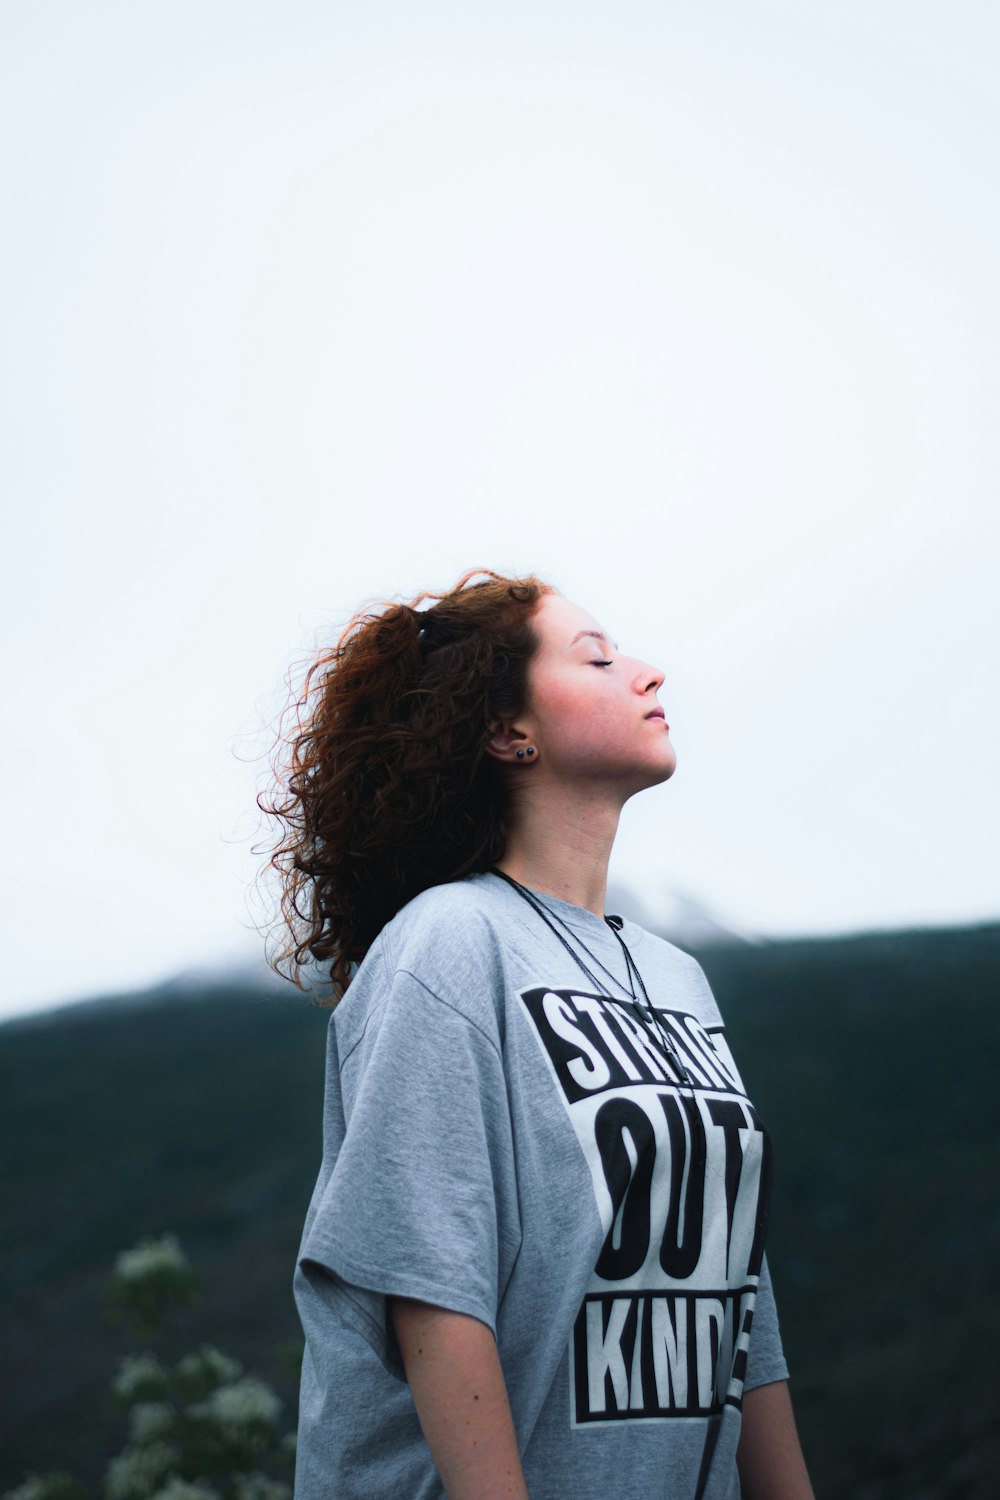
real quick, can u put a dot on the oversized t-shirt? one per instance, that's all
(504, 1140)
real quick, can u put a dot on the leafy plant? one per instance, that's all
(199, 1429)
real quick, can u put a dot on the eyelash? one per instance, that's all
(602, 664)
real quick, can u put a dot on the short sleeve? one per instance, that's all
(765, 1357)
(419, 1198)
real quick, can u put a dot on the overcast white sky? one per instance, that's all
(690, 307)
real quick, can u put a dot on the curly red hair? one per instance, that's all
(385, 788)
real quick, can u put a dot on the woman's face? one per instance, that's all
(592, 712)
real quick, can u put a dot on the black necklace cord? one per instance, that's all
(629, 960)
(653, 1016)
(646, 1013)
(523, 891)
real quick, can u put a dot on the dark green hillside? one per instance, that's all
(871, 1059)
(198, 1115)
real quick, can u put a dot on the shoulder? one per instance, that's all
(461, 916)
(447, 941)
(661, 949)
(471, 894)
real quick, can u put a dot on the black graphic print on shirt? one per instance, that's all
(681, 1169)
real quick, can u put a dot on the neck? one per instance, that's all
(560, 845)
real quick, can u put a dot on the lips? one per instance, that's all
(657, 713)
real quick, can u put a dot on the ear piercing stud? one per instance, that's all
(522, 753)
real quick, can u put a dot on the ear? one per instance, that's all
(505, 740)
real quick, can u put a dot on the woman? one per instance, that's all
(533, 1261)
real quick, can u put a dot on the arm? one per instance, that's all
(458, 1388)
(769, 1457)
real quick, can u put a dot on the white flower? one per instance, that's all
(139, 1375)
(247, 1403)
(34, 1487)
(136, 1472)
(52, 1485)
(150, 1257)
(149, 1420)
(210, 1363)
(186, 1489)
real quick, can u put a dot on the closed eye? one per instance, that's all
(602, 664)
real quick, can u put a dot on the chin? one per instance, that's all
(670, 765)
(655, 775)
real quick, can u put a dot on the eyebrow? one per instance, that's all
(598, 636)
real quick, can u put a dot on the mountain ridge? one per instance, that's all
(198, 1110)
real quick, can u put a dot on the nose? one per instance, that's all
(651, 678)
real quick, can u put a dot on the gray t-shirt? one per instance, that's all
(503, 1140)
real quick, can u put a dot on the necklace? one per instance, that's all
(645, 1011)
